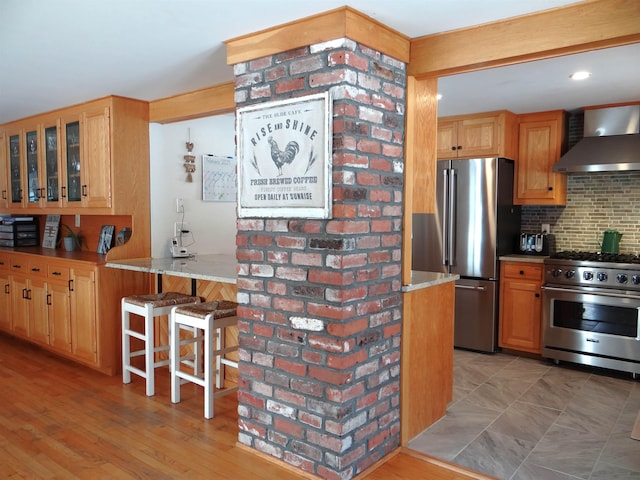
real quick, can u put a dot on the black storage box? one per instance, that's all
(20, 234)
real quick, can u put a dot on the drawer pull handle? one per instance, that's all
(56, 273)
(521, 272)
(35, 269)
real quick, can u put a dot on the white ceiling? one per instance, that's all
(56, 53)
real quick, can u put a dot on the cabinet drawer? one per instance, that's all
(5, 262)
(522, 270)
(37, 267)
(19, 265)
(58, 272)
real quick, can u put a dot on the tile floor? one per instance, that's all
(524, 419)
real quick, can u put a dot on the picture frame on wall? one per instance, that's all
(284, 158)
(106, 238)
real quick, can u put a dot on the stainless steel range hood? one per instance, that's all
(611, 142)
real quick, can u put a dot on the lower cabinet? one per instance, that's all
(520, 306)
(83, 314)
(69, 307)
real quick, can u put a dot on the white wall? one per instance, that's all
(213, 223)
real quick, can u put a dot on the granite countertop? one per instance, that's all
(215, 267)
(516, 257)
(420, 280)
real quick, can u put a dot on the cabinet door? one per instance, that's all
(51, 166)
(5, 302)
(59, 308)
(4, 172)
(520, 320)
(447, 140)
(96, 169)
(15, 170)
(540, 141)
(20, 305)
(71, 162)
(38, 310)
(34, 189)
(479, 137)
(83, 314)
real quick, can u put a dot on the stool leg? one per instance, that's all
(126, 346)
(219, 367)
(149, 353)
(208, 368)
(197, 351)
(174, 353)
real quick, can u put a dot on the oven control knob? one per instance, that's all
(635, 279)
(570, 274)
(602, 277)
(622, 278)
(587, 275)
(556, 272)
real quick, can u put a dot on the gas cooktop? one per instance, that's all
(597, 257)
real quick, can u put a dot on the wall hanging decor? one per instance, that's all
(284, 158)
(189, 158)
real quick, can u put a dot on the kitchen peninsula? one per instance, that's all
(427, 350)
(211, 277)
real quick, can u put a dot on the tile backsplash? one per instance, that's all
(595, 202)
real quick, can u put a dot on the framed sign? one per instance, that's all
(284, 158)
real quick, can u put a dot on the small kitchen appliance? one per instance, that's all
(611, 241)
(535, 244)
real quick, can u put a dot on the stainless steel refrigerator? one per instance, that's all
(475, 222)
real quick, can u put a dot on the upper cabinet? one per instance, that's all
(489, 134)
(89, 158)
(4, 170)
(541, 141)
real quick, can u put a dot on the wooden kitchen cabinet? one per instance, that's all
(71, 307)
(88, 158)
(5, 294)
(4, 173)
(520, 306)
(59, 307)
(489, 134)
(83, 314)
(541, 143)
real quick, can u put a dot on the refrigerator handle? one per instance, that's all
(445, 215)
(452, 216)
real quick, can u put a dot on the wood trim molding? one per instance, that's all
(197, 104)
(588, 25)
(338, 23)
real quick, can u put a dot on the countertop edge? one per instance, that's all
(514, 257)
(421, 280)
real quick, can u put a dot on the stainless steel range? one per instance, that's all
(591, 310)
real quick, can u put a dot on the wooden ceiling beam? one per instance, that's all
(588, 25)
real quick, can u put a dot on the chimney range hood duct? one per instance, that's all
(611, 142)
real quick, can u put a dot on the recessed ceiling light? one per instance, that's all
(439, 96)
(580, 75)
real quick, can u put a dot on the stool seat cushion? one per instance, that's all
(219, 309)
(163, 299)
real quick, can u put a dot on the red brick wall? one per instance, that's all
(320, 302)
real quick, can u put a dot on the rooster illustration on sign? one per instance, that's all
(282, 157)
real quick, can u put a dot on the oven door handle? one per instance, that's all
(587, 292)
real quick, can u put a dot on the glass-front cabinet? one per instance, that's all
(51, 166)
(4, 173)
(34, 192)
(72, 191)
(15, 170)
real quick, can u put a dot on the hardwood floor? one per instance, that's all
(61, 420)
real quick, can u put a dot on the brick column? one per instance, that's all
(320, 303)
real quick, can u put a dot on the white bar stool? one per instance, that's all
(149, 307)
(212, 318)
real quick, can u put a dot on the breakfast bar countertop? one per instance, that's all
(421, 279)
(214, 267)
